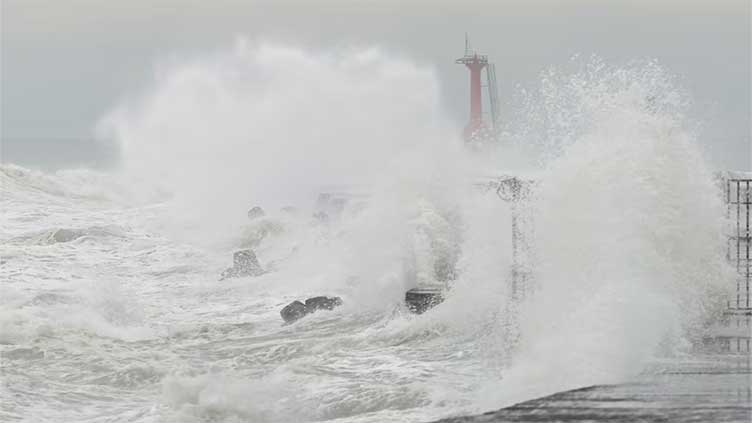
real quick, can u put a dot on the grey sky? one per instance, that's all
(66, 63)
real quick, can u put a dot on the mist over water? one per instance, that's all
(629, 246)
(270, 124)
(626, 245)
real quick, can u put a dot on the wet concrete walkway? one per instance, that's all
(708, 390)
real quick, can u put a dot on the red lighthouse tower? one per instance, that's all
(476, 127)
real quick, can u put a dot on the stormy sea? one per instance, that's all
(118, 300)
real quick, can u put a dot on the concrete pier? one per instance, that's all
(713, 389)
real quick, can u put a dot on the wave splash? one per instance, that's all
(628, 254)
(628, 232)
(271, 124)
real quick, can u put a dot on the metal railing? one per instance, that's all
(739, 251)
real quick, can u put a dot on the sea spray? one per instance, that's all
(621, 187)
(625, 238)
(628, 233)
(265, 124)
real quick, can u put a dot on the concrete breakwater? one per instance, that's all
(705, 389)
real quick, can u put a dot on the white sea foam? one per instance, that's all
(627, 241)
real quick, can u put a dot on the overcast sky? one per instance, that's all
(65, 63)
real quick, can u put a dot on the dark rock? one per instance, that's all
(293, 311)
(338, 205)
(296, 310)
(259, 230)
(50, 298)
(421, 299)
(322, 202)
(256, 212)
(333, 204)
(245, 263)
(66, 235)
(245, 259)
(321, 217)
(326, 303)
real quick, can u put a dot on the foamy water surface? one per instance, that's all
(111, 308)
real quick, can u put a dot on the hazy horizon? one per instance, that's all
(66, 65)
